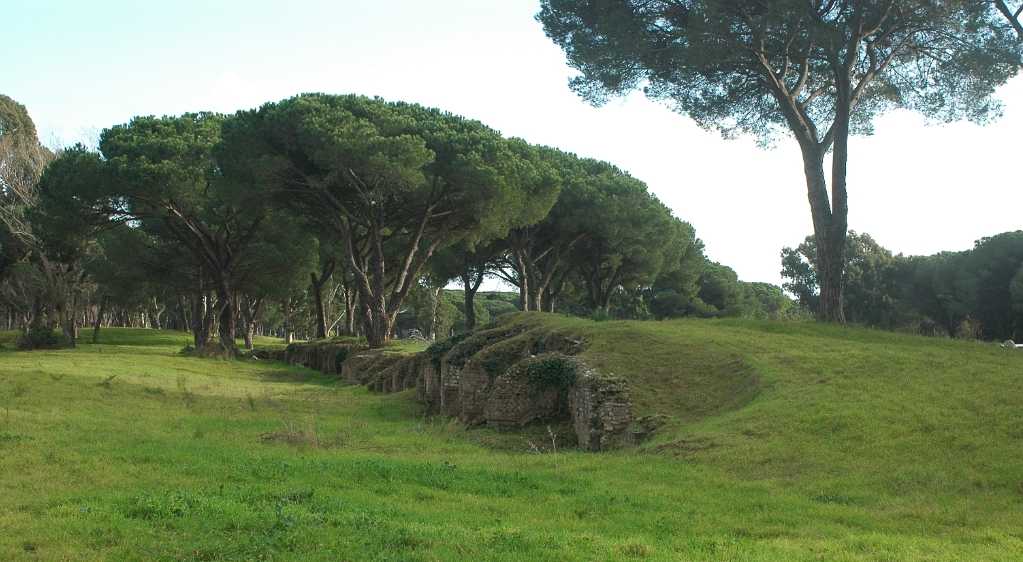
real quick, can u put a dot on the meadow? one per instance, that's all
(783, 441)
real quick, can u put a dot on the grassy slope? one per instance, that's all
(788, 442)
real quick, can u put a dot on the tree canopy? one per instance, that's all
(816, 71)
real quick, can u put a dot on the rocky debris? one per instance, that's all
(504, 377)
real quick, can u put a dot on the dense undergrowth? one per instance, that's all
(785, 441)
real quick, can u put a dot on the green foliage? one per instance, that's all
(958, 294)
(818, 73)
(497, 357)
(468, 347)
(499, 304)
(438, 349)
(624, 244)
(40, 338)
(71, 205)
(398, 180)
(549, 371)
(714, 61)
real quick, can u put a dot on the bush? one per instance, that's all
(549, 371)
(41, 338)
(439, 349)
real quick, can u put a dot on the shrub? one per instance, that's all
(41, 338)
(497, 357)
(440, 348)
(549, 371)
(339, 358)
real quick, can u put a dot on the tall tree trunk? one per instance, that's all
(249, 331)
(228, 323)
(202, 319)
(99, 319)
(522, 265)
(435, 293)
(316, 288)
(351, 302)
(67, 323)
(289, 330)
(471, 282)
(470, 306)
(317, 282)
(250, 312)
(829, 228)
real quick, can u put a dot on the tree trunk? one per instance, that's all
(197, 322)
(829, 227)
(99, 319)
(521, 262)
(228, 328)
(250, 312)
(350, 308)
(434, 307)
(316, 287)
(469, 294)
(378, 330)
(250, 330)
(67, 324)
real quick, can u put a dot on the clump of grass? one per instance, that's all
(107, 382)
(634, 550)
(552, 449)
(186, 394)
(304, 435)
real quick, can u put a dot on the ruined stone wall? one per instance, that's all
(485, 378)
(601, 410)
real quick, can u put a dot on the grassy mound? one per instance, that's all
(784, 442)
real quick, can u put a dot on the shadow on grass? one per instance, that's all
(301, 376)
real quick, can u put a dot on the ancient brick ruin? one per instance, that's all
(505, 377)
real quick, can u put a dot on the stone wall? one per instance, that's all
(600, 408)
(485, 378)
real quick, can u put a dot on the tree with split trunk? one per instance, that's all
(469, 267)
(277, 265)
(471, 262)
(538, 257)
(128, 271)
(65, 223)
(392, 181)
(167, 176)
(629, 235)
(1012, 12)
(22, 160)
(819, 70)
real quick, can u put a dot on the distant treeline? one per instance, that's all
(977, 293)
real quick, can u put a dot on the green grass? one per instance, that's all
(787, 441)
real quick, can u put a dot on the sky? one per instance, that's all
(916, 188)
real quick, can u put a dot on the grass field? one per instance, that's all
(786, 441)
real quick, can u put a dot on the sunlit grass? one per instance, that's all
(786, 442)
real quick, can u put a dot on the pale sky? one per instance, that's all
(82, 66)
